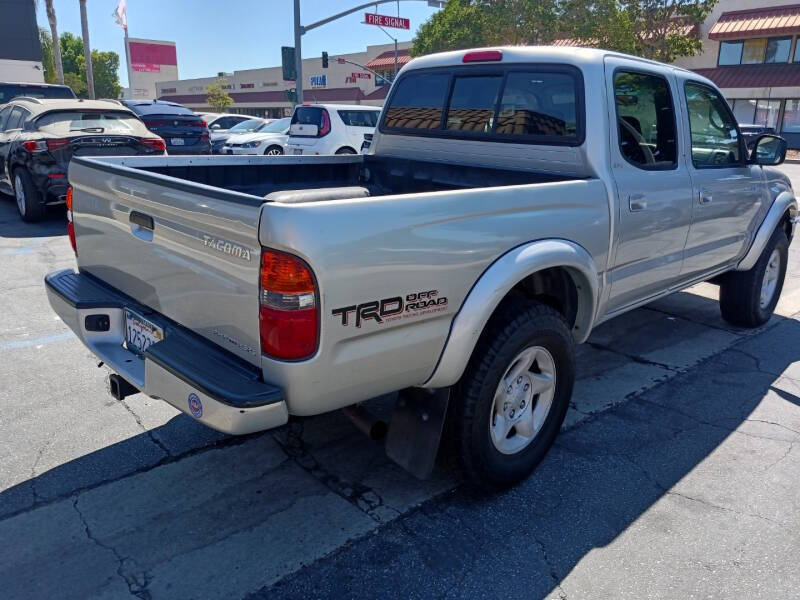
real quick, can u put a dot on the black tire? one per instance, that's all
(345, 150)
(519, 324)
(31, 206)
(273, 151)
(740, 291)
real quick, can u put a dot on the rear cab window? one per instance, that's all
(71, 121)
(541, 104)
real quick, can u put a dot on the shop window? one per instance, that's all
(778, 50)
(791, 117)
(756, 51)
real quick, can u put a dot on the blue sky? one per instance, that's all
(226, 35)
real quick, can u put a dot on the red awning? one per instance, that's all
(773, 20)
(754, 76)
(386, 60)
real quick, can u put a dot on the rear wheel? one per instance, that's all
(273, 151)
(748, 298)
(513, 397)
(29, 199)
(345, 151)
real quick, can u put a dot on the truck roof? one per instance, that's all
(579, 57)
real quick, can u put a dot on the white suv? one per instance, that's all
(330, 128)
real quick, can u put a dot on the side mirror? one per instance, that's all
(768, 150)
(216, 126)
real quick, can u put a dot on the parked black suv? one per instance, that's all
(38, 137)
(10, 90)
(182, 130)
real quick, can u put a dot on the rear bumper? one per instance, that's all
(232, 396)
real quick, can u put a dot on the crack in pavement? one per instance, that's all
(149, 432)
(125, 566)
(364, 498)
(634, 357)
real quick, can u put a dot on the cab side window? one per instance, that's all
(646, 120)
(715, 138)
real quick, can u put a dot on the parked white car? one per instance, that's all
(330, 128)
(248, 125)
(269, 139)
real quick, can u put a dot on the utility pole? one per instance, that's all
(299, 30)
(87, 50)
(298, 53)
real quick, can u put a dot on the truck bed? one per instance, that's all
(259, 176)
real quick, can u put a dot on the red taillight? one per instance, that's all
(71, 234)
(203, 124)
(57, 144)
(70, 225)
(325, 129)
(482, 56)
(32, 146)
(155, 144)
(288, 322)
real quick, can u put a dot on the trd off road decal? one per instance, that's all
(392, 309)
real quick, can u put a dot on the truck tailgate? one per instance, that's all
(190, 253)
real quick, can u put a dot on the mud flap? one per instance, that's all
(416, 429)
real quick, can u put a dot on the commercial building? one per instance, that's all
(751, 50)
(20, 52)
(263, 92)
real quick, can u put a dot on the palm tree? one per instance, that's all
(51, 16)
(87, 50)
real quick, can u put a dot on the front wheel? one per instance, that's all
(345, 151)
(748, 298)
(273, 151)
(514, 396)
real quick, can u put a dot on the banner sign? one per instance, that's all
(319, 81)
(146, 67)
(387, 21)
(361, 75)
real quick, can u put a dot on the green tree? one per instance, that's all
(48, 61)
(658, 29)
(218, 99)
(105, 65)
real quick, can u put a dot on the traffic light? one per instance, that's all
(291, 95)
(287, 63)
(324, 60)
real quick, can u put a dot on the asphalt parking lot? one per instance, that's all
(675, 474)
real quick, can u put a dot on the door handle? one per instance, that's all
(141, 225)
(637, 202)
(142, 220)
(705, 197)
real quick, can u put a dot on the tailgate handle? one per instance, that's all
(142, 220)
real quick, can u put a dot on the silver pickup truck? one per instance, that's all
(510, 201)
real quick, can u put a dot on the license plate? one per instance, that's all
(297, 151)
(140, 333)
(229, 151)
(177, 141)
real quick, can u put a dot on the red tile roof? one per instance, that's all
(378, 94)
(386, 60)
(757, 21)
(351, 94)
(744, 76)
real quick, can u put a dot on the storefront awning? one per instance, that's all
(386, 60)
(775, 20)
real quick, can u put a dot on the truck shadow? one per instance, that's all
(603, 475)
(12, 225)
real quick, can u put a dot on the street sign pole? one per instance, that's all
(299, 30)
(298, 53)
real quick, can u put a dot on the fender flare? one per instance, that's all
(784, 202)
(493, 285)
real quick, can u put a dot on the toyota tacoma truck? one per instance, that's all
(510, 201)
